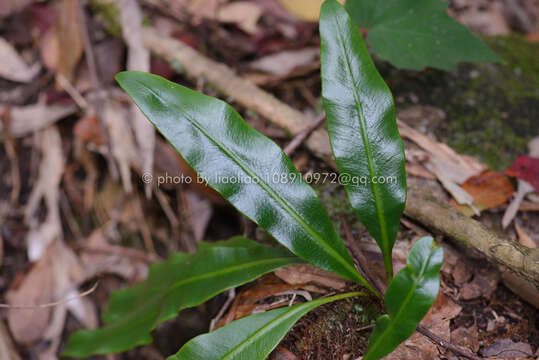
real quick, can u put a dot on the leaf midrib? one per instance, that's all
(161, 296)
(273, 194)
(394, 319)
(275, 322)
(366, 144)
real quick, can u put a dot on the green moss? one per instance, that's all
(492, 109)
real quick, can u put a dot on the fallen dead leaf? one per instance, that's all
(88, 129)
(36, 287)
(302, 274)
(13, 67)
(507, 349)
(24, 120)
(281, 353)
(466, 338)
(308, 10)
(483, 285)
(523, 238)
(69, 37)
(99, 257)
(284, 62)
(244, 14)
(7, 349)
(489, 189)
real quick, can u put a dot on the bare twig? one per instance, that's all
(52, 304)
(446, 344)
(226, 305)
(300, 138)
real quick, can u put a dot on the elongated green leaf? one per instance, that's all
(183, 281)
(408, 298)
(413, 34)
(362, 128)
(250, 338)
(244, 166)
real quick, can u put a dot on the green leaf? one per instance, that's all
(408, 298)
(183, 281)
(362, 128)
(414, 34)
(244, 166)
(250, 338)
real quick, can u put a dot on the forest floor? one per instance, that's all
(75, 210)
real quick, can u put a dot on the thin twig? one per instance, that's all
(300, 138)
(52, 304)
(226, 305)
(446, 344)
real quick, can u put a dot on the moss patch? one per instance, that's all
(492, 109)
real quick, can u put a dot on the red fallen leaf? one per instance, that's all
(88, 129)
(527, 169)
(488, 189)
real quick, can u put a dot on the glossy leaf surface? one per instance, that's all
(183, 281)
(244, 166)
(362, 128)
(408, 298)
(413, 34)
(250, 338)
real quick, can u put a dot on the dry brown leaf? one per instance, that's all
(507, 349)
(138, 58)
(13, 67)
(302, 274)
(49, 49)
(69, 37)
(308, 10)
(88, 129)
(483, 285)
(523, 238)
(489, 189)
(281, 353)
(244, 14)
(100, 257)
(466, 338)
(24, 120)
(36, 287)
(457, 168)
(7, 349)
(284, 62)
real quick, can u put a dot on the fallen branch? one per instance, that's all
(420, 207)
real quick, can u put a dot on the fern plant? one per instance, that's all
(217, 143)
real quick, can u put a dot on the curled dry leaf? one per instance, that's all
(7, 349)
(13, 67)
(489, 189)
